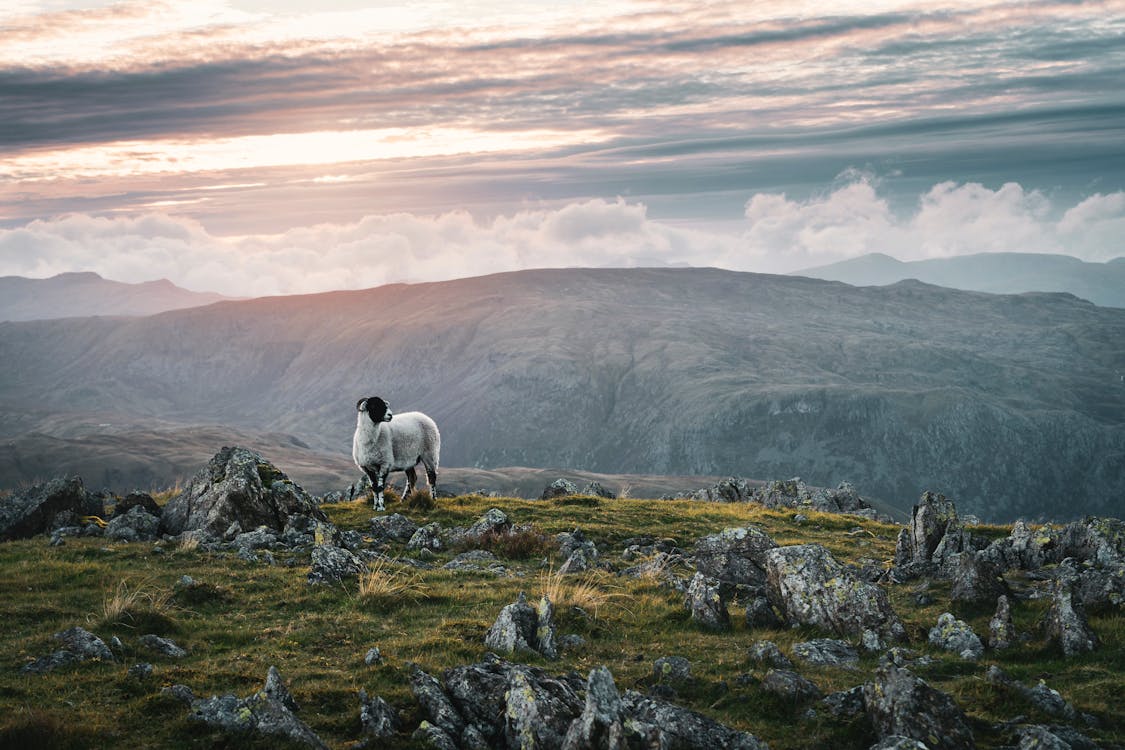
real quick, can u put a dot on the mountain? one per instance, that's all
(1013, 405)
(999, 273)
(71, 295)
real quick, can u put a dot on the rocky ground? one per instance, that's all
(802, 609)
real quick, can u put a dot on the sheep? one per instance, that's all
(381, 445)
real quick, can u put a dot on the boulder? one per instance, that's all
(671, 669)
(25, 513)
(601, 725)
(377, 718)
(268, 713)
(767, 652)
(1065, 623)
(79, 645)
(735, 556)
(595, 489)
(951, 634)
(521, 627)
(809, 587)
(559, 488)
(826, 652)
(1038, 737)
(236, 486)
(493, 522)
(1045, 699)
(789, 685)
(575, 542)
(1001, 629)
(659, 724)
(427, 537)
(898, 703)
(395, 527)
(132, 500)
(845, 704)
(135, 525)
(761, 614)
(163, 646)
(334, 564)
(707, 605)
(976, 580)
(929, 521)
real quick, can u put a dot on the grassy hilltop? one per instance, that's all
(244, 617)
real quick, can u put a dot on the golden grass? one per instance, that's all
(131, 604)
(387, 583)
(590, 592)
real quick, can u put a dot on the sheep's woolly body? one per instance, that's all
(399, 444)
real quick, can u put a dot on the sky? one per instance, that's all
(257, 147)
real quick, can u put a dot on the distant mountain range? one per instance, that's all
(71, 295)
(999, 273)
(1011, 405)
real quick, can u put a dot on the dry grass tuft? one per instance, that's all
(385, 583)
(137, 605)
(518, 543)
(589, 592)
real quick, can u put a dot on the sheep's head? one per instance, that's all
(376, 408)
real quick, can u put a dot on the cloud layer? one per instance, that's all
(778, 234)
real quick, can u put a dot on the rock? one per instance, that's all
(578, 562)
(133, 500)
(904, 657)
(162, 646)
(135, 525)
(790, 685)
(761, 614)
(559, 488)
(658, 724)
(140, 671)
(426, 537)
(951, 634)
(1001, 630)
(904, 548)
(601, 725)
(260, 538)
(928, 523)
(334, 564)
(236, 486)
(477, 560)
(574, 542)
(1099, 541)
(429, 735)
(767, 652)
(181, 693)
(975, 579)
(898, 703)
(898, 742)
(374, 656)
(595, 489)
(809, 587)
(51, 662)
(845, 704)
(1100, 588)
(493, 522)
(435, 703)
(671, 669)
(707, 605)
(25, 513)
(267, 713)
(826, 652)
(84, 644)
(1038, 737)
(395, 527)
(377, 718)
(1065, 623)
(1032, 550)
(535, 716)
(521, 627)
(736, 556)
(1045, 699)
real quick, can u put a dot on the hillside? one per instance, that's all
(1012, 405)
(1000, 273)
(71, 295)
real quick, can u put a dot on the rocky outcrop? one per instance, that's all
(521, 627)
(809, 587)
(378, 720)
(707, 604)
(791, 493)
(79, 645)
(734, 556)
(900, 704)
(951, 634)
(1065, 623)
(268, 713)
(40, 508)
(1001, 629)
(331, 564)
(136, 524)
(236, 486)
(559, 488)
(826, 652)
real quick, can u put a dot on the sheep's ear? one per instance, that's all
(360, 404)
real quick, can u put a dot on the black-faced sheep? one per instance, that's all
(386, 442)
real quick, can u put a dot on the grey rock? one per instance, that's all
(1099, 541)
(84, 644)
(427, 537)
(671, 669)
(395, 527)
(162, 646)
(51, 662)
(571, 642)
(260, 538)
(545, 636)
(430, 735)
(656, 723)
(1001, 629)
(577, 549)
(334, 564)
(135, 525)
(904, 657)
(904, 548)
(929, 520)
(236, 486)
(1032, 550)
(1044, 698)
(136, 499)
(951, 634)
(494, 521)
(601, 725)
(25, 513)
(898, 703)
(559, 488)
(595, 489)
(1065, 623)
(535, 717)
(845, 704)
(435, 703)
(735, 556)
(377, 718)
(374, 656)
(477, 560)
(760, 613)
(767, 652)
(898, 742)
(790, 685)
(1039, 737)
(182, 693)
(521, 627)
(826, 652)
(578, 562)
(140, 671)
(976, 580)
(266, 713)
(707, 605)
(809, 587)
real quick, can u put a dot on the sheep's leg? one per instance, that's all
(431, 477)
(379, 482)
(411, 481)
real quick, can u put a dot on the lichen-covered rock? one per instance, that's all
(1044, 698)
(435, 704)
(898, 703)
(262, 537)
(664, 725)
(521, 627)
(377, 718)
(494, 521)
(1065, 623)
(736, 556)
(601, 725)
(334, 564)
(163, 646)
(929, 521)
(270, 713)
(1039, 737)
(135, 525)
(898, 742)
(1001, 629)
(809, 587)
(760, 613)
(395, 527)
(577, 549)
(535, 716)
(671, 669)
(577, 562)
(236, 486)
(951, 634)
(1100, 541)
(25, 513)
(826, 652)
(844, 704)
(546, 642)
(1032, 550)
(767, 652)
(559, 488)
(427, 537)
(705, 601)
(790, 685)
(595, 489)
(976, 580)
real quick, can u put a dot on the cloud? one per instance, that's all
(778, 234)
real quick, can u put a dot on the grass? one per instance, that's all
(239, 618)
